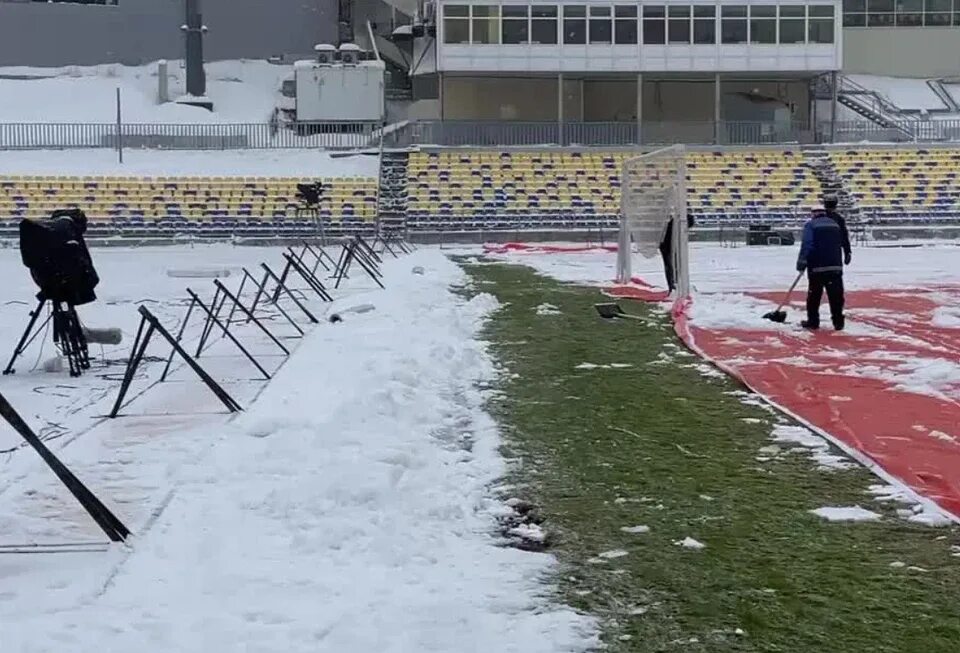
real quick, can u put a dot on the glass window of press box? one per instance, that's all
(648, 24)
(901, 13)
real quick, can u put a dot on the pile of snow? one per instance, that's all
(306, 163)
(846, 513)
(242, 92)
(636, 530)
(340, 511)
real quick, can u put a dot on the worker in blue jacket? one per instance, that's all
(823, 253)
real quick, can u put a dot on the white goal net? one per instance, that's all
(653, 195)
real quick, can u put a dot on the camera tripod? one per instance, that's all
(67, 335)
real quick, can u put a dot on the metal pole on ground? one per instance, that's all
(639, 108)
(119, 129)
(194, 31)
(716, 108)
(440, 93)
(560, 139)
(834, 79)
(813, 110)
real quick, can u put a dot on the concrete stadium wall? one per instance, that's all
(902, 51)
(138, 31)
(615, 100)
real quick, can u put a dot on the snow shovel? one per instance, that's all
(612, 310)
(780, 316)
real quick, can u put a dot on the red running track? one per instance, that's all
(891, 398)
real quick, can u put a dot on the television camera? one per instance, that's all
(309, 195)
(56, 254)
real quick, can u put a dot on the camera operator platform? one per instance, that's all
(60, 264)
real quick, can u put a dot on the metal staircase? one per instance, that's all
(950, 105)
(392, 195)
(823, 168)
(876, 108)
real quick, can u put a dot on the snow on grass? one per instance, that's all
(530, 532)
(709, 371)
(818, 447)
(918, 510)
(690, 543)
(340, 511)
(636, 530)
(604, 366)
(613, 554)
(547, 309)
(846, 513)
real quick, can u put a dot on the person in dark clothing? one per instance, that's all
(666, 252)
(823, 253)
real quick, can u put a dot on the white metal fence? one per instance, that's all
(27, 136)
(454, 133)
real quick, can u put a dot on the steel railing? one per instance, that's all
(461, 133)
(212, 136)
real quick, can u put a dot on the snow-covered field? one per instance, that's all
(259, 163)
(350, 507)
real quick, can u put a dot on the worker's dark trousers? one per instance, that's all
(666, 251)
(832, 282)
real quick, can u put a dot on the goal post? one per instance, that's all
(653, 192)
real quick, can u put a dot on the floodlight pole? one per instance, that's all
(119, 129)
(193, 30)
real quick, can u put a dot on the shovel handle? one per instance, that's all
(786, 299)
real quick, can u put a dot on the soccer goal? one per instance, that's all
(653, 192)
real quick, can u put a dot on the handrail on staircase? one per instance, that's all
(883, 105)
(936, 85)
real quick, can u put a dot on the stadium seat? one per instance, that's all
(584, 187)
(911, 184)
(201, 204)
